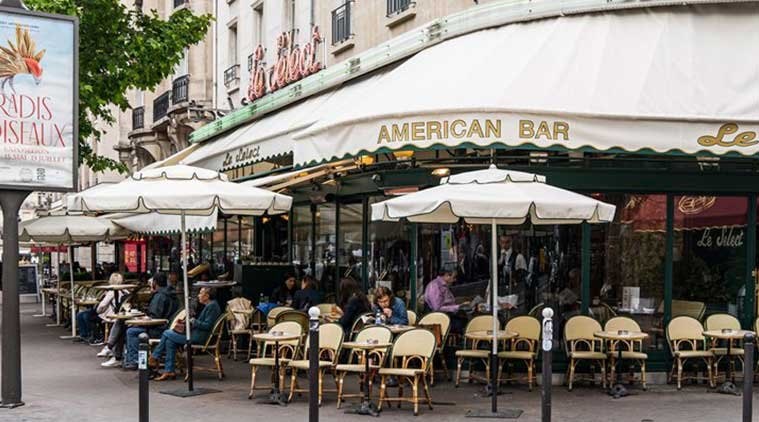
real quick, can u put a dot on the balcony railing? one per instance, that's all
(178, 3)
(161, 106)
(250, 62)
(138, 118)
(232, 76)
(180, 89)
(341, 23)
(395, 7)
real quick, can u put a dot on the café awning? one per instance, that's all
(677, 79)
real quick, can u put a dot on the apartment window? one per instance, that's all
(288, 15)
(183, 67)
(258, 23)
(232, 52)
(341, 23)
(395, 7)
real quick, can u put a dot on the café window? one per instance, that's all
(326, 254)
(389, 254)
(351, 239)
(302, 254)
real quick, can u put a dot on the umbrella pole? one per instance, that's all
(494, 307)
(71, 289)
(188, 346)
(58, 287)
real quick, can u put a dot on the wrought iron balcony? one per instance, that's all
(341, 23)
(395, 7)
(180, 89)
(232, 76)
(161, 106)
(138, 118)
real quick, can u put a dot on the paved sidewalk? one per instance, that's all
(64, 382)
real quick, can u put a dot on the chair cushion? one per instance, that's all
(686, 354)
(587, 355)
(722, 351)
(358, 368)
(304, 364)
(469, 353)
(516, 355)
(267, 361)
(626, 354)
(401, 372)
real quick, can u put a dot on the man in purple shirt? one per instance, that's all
(439, 298)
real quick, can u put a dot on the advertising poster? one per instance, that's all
(38, 61)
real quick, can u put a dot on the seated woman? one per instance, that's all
(200, 329)
(104, 309)
(284, 295)
(392, 308)
(353, 302)
(307, 296)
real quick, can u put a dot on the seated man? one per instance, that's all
(392, 308)
(163, 304)
(200, 329)
(439, 298)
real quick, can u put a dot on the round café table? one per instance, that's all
(399, 329)
(117, 289)
(127, 316)
(366, 407)
(729, 335)
(614, 338)
(276, 396)
(146, 322)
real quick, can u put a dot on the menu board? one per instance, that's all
(27, 279)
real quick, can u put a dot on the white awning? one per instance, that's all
(667, 80)
(156, 223)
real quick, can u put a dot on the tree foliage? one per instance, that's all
(120, 49)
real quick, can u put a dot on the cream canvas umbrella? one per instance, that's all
(182, 191)
(69, 229)
(494, 196)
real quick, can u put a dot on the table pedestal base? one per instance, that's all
(488, 414)
(728, 387)
(275, 398)
(618, 390)
(365, 408)
(184, 392)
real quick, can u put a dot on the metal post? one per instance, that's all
(10, 202)
(748, 376)
(585, 269)
(547, 370)
(188, 335)
(313, 365)
(144, 378)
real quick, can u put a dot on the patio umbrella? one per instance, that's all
(182, 191)
(69, 229)
(494, 196)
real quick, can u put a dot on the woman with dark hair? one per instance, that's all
(284, 295)
(353, 302)
(307, 296)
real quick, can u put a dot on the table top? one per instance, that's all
(399, 329)
(331, 317)
(127, 316)
(271, 337)
(366, 346)
(732, 334)
(146, 322)
(616, 335)
(50, 290)
(213, 284)
(488, 335)
(87, 302)
(117, 287)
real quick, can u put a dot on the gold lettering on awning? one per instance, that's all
(433, 130)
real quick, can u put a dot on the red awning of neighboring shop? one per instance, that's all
(692, 212)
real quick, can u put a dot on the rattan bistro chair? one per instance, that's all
(719, 322)
(271, 317)
(634, 352)
(330, 344)
(295, 316)
(522, 348)
(684, 334)
(377, 357)
(444, 322)
(474, 352)
(411, 317)
(581, 345)
(288, 350)
(239, 311)
(212, 348)
(414, 349)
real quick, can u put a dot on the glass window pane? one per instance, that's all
(301, 242)
(324, 268)
(351, 237)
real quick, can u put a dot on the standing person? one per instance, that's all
(353, 302)
(390, 306)
(163, 304)
(284, 295)
(439, 298)
(201, 327)
(513, 271)
(307, 296)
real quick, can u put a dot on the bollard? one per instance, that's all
(748, 376)
(313, 365)
(142, 366)
(547, 370)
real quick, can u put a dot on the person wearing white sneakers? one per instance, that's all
(106, 309)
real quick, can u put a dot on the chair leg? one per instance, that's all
(432, 371)
(400, 391)
(383, 391)
(643, 374)
(459, 361)
(572, 364)
(415, 394)
(612, 370)
(530, 369)
(321, 389)
(293, 381)
(680, 373)
(445, 366)
(252, 381)
(603, 374)
(711, 378)
(499, 373)
(427, 392)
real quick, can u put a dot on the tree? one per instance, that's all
(121, 49)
